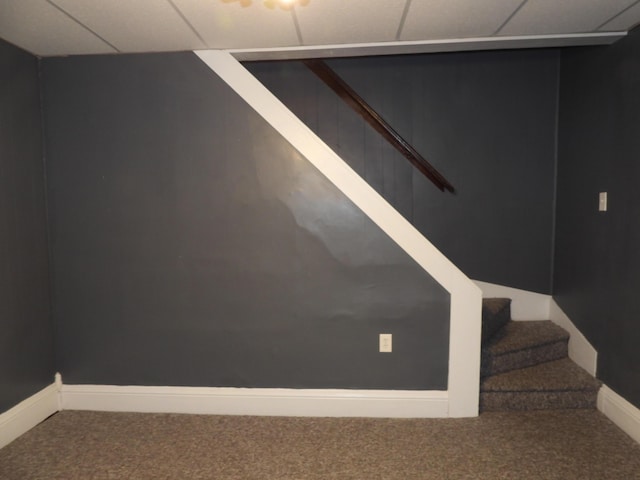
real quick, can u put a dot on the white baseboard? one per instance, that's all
(525, 305)
(256, 401)
(619, 411)
(580, 350)
(28, 413)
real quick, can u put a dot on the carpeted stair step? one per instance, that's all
(523, 344)
(552, 385)
(496, 312)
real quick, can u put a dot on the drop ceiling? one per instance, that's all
(320, 28)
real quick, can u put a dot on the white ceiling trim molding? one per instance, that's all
(74, 27)
(427, 46)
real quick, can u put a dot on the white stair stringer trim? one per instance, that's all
(466, 299)
(525, 305)
(256, 401)
(580, 350)
(620, 411)
(27, 414)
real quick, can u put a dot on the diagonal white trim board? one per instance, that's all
(619, 411)
(28, 413)
(256, 401)
(464, 343)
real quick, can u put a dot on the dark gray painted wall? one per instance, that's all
(26, 338)
(486, 120)
(193, 246)
(597, 274)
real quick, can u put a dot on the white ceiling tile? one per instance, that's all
(355, 21)
(106, 26)
(625, 21)
(229, 25)
(42, 29)
(430, 19)
(134, 26)
(539, 17)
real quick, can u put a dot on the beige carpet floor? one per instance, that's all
(573, 444)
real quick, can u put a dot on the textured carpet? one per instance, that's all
(575, 444)
(558, 375)
(557, 384)
(523, 344)
(496, 312)
(522, 335)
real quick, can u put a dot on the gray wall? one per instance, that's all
(193, 246)
(486, 120)
(597, 274)
(26, 339)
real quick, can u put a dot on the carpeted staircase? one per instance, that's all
(525, 365)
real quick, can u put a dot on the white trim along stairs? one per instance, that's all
(57, 396)
(525, 365)
(464, 345)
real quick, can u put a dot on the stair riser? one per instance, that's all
(522, 401)
(492, 365)
(496, 313)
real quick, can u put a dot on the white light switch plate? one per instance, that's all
(602, 202)
(385, 342)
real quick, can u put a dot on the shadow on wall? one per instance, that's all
(194, 246)
(485, 120)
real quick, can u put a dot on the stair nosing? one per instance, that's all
(562, 336)
(567, 390)
(530, 347)
(590, 384)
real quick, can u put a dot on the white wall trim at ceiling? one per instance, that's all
(28, 413)
(428, 46)
(525, 305)
(256, 401)
(619, 411)
(465, 325)
(580, 350)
